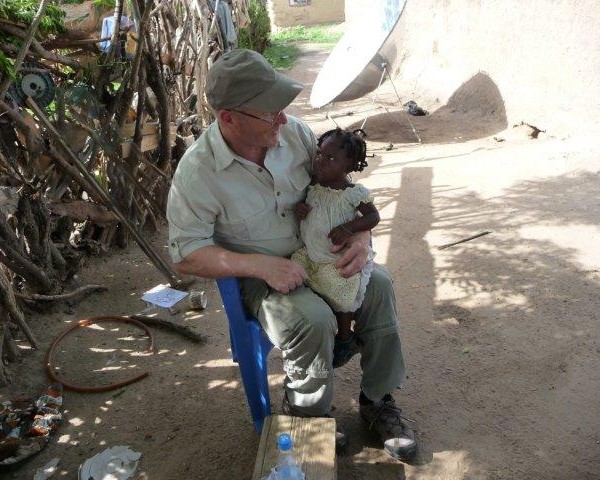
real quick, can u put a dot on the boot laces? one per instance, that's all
(389, 407)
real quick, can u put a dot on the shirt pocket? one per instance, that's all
(294, 191)
(300, 179)
(246, 219)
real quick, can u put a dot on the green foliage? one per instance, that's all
(104, 4)
(282, 55)
(323, 34)
(283, 46)
(7, 66)
(23, 11)
(256, 35)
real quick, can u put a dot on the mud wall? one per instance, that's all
(318, 11)
(542, 55)
(86, 17)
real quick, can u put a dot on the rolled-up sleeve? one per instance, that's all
(191, 216)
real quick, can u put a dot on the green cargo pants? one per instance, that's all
(303, 326)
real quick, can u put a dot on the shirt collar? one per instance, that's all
(223, 154)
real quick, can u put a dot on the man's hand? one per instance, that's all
(339, 236)
(354, 256)
(281, 274)
(213, 261)
(302, 210)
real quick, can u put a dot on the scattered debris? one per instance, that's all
(163, 296)
(441, 247)
(348, 113)
(198, 299)
(155, 321)
(47, 470)
(26, 425)
(499, 139)
(414, 109)
(534, 132)
(115, 463)
(388, 147)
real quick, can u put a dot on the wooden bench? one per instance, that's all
(314, 446)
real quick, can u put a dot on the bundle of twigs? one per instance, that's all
(94, 170)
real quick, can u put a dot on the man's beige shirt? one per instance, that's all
(218, 197)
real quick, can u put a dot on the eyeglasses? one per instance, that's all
(270, 118)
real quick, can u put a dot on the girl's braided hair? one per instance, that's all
(353, 142)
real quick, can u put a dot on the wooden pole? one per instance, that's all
(7, 299)
(159, 263)
(116, 33)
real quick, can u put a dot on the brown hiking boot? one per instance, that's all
(386, 419)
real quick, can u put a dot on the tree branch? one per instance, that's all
(37, 49)
(32, 297)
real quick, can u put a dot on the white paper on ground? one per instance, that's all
(163, 296)
(47, 470)
(115, 463)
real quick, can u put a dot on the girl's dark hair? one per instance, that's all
(353, 142)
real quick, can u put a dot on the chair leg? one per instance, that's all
(256, 387)
(263, 377)
(234, 356)
(253, 367)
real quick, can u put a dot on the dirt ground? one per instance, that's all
(500, 332)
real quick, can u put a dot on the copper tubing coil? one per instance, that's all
(84, 323)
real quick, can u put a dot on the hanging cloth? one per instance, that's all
(225, 21)
(108, 26)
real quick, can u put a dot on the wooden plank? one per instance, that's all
(80, 211)
(314, 446)
(149, 142)
(149, 128)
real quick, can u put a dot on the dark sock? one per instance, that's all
(348, 338)
(363, 400)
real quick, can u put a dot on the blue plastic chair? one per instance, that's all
(250, 347)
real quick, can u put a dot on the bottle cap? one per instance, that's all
(284, 442)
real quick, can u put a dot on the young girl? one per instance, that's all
(328, 216)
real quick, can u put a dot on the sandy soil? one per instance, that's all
(500, 332)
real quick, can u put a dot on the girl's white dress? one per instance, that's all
(331, 208)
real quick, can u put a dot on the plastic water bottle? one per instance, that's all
(287, 468)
